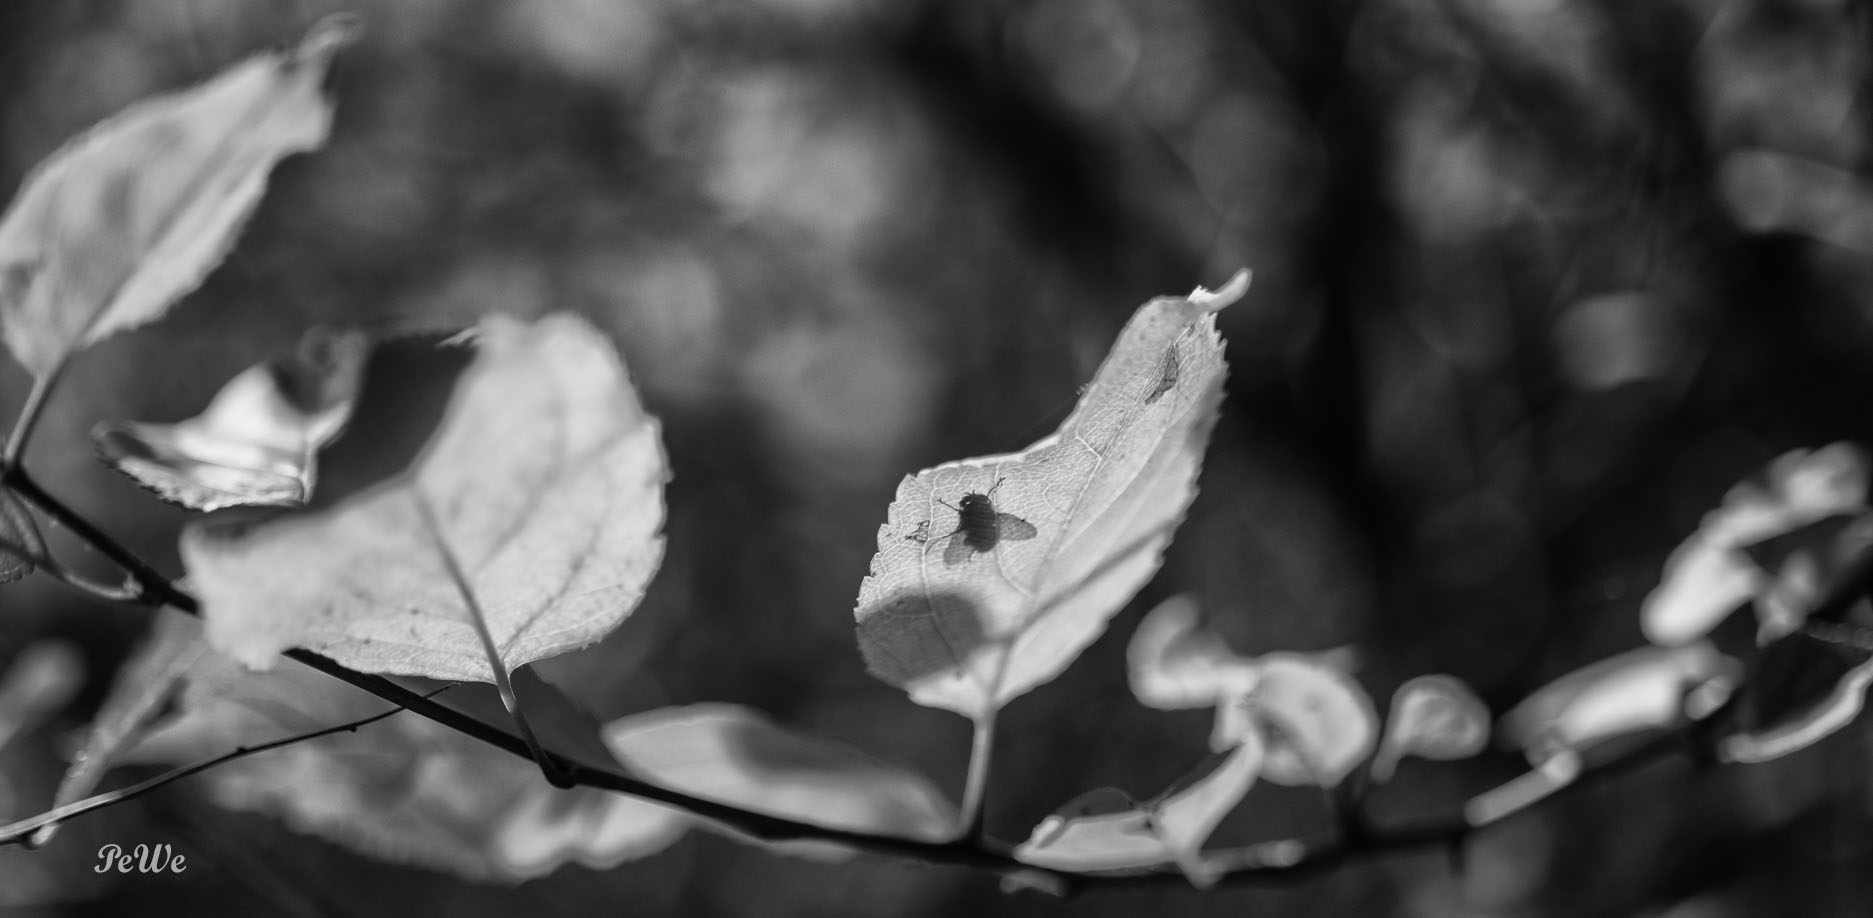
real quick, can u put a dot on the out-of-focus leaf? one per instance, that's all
(1433, 717)
(257, 441)
(1642, 689)
(1168, 830)
(112, 229)
(142, 687)
(20, 530)
(404, 789)
(968, 608)
(1314, 719)
(38, 681)
(735, 755)
(1817, 722)
(1708, 576)
(544, 485)
(1175, 662)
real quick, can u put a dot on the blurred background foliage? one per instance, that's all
(1535, 281)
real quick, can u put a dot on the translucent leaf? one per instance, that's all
(544, 484)
(141, 688)
(404, 789)
(1433, 717)
(117, 225)
(1168, 830)
(1175, 662)
(36, 683)
(1820, 720)
(1318, 723)
(1709, 576)
(993, 573)
(1642, 689)
(19, 530)
(257, 441)
(735, 755)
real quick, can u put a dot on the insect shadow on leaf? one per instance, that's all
(980, 527)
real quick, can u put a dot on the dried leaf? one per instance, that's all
(405, 789)
(1642, 689)
(1168, 830)
(256, 443)
(123, 221)
(736, 756)
(147, 682)
(993, 573)
(545, 481)
(1433, 717)
(19, 530)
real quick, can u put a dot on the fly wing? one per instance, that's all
(1013, 527)
(958, 550)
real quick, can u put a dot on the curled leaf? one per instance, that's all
(735, 755)
(18, 530)
(112, 229)
(1642, 689)
(1317, 722)
(256, 444)
(1175, 662)
(1168, 830)
(543, 489)
(1433, 717)
(993, 573)
(1710, 575)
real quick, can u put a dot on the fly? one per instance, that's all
(980, 527)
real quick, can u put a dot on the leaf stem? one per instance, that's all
(503, 682)
(36, 399)
(976, 784)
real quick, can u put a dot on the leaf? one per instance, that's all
(1175, 662)
(36, 683)
(1168, 830)
(1433, 717)
(146, 683)
(19, 530)
(1639, 690)
(256, 443)
(545, 482)
(736, 756)
(405, 789)
(1708, 576)
(112, 229)
(969, 630)
(1314, 719)
(1317, 722)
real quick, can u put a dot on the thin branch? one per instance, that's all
(92, 588)
(22, 831)
(1278, 860)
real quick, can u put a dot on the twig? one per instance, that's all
(21, 831)
(975, 785)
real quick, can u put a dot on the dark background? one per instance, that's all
(1535, 281)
